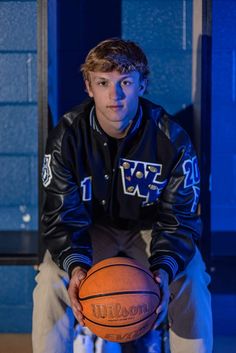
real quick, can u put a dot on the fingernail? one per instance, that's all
(81, 275)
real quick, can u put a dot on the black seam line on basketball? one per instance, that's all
(124, 325)
(118, 293)
(113, 265)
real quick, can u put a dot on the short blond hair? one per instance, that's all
(116, 54)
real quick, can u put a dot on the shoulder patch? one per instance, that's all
(46, 170)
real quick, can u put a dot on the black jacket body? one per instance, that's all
(151, 181)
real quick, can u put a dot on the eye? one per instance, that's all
(102, 83)
(126, 83)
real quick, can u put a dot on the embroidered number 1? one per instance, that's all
(86, 185)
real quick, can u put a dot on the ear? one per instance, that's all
(142, 87)
(89, 88)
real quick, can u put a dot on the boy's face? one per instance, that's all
(116, 98)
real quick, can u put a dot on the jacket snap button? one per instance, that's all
(152, 187)
(152, 169)
(139, 175)
(126, 165)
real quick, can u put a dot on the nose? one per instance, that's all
(116, 92)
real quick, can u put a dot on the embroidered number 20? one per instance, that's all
(191, 172)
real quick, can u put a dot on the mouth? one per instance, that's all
(115, 107)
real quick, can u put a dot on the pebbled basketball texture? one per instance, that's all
(119, 298)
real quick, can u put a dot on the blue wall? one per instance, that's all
(223, 145)
(18, 116)
(17, 283)
(18, 152)
(164, 30)
(74, 27)
(223, 116)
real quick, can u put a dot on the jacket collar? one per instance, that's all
(95, 126)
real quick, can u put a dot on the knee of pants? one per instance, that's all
(190, 307)
(52, 282)
(194, 278)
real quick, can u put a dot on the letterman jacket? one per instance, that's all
(153, 182)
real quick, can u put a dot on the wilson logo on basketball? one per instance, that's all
(117, 311)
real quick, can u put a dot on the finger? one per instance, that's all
(79, 317)
(160, 319)
(158, 279)
(81, 275)
(73, 295)
(162, 307)
(76, 306)
(165, 298)
(73, 292)
(159, 309)
(161, 313)
(77, 310)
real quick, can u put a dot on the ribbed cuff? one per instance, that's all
(70, 259)
(74, 260)
(167, 263)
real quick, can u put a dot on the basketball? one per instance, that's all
(119, 298)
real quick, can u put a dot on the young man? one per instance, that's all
(120, 176)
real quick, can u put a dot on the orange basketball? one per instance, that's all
(119, 298)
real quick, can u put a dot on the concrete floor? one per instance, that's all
(15, 343)
(21, 343)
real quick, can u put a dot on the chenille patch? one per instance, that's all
(46, 170)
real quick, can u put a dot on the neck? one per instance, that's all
(115, 132)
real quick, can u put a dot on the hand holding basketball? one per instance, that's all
(78, 274)
(119, 299)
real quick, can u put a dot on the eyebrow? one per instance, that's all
(100, 77)
(106, 78)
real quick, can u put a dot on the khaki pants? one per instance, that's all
(189, 309)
